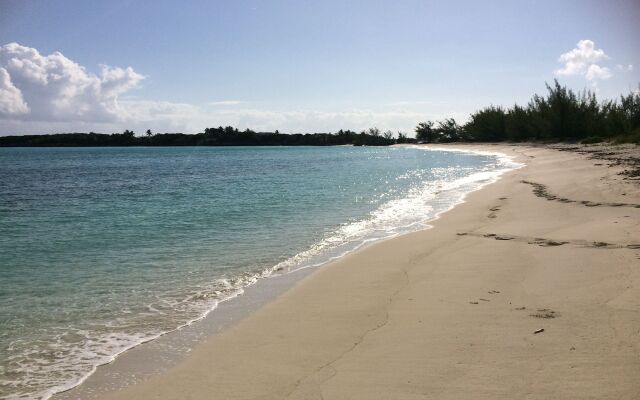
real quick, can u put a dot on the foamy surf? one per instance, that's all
(400, 216)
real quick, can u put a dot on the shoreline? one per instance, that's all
(158, 354)
(314, 345)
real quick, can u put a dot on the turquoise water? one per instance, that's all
(104, 248)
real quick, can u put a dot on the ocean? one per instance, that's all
(102, 249)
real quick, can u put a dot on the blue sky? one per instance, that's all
(298, 65)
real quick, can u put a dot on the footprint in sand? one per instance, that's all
(490, 292)
(544, 313)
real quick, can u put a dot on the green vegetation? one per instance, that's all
(562, 115)
(220, 136)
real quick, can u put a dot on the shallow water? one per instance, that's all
(103, 248)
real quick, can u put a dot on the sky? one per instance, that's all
(299, 66)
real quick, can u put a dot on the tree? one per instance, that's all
(425, 132)
(374, 131)
(149, 133)
(388, 135)
(487, 125)
(448, 131)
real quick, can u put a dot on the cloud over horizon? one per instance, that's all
(41, 94)
(582, 61)
(11, 100)
(36, 87)
(52, 93)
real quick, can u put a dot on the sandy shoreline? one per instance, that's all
(451, 312)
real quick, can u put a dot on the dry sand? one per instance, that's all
(450, 312)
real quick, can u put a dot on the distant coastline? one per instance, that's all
(561, 116)
(227, 136)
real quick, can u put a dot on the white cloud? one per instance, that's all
(162, 116)
(52, 93)
(55, 88)
(314, 120)
(597, 72)
(582, 61)
(11, 101)
(189, 118)
(625, 68)
(403, 103)
(226, 103)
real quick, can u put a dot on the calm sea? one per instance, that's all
(104, 248)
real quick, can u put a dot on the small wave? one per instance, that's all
(421, 205)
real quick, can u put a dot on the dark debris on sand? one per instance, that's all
(625, 156)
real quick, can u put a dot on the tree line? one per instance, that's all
(221, 136)
(561, 115)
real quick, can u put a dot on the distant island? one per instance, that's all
(221, 136)
(561, 115)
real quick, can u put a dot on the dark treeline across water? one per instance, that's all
(220, 136)
(561, 115)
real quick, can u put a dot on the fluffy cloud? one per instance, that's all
(582, 61)
(35, 87)
(51, 93)
(597, 72)
(11, 101)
